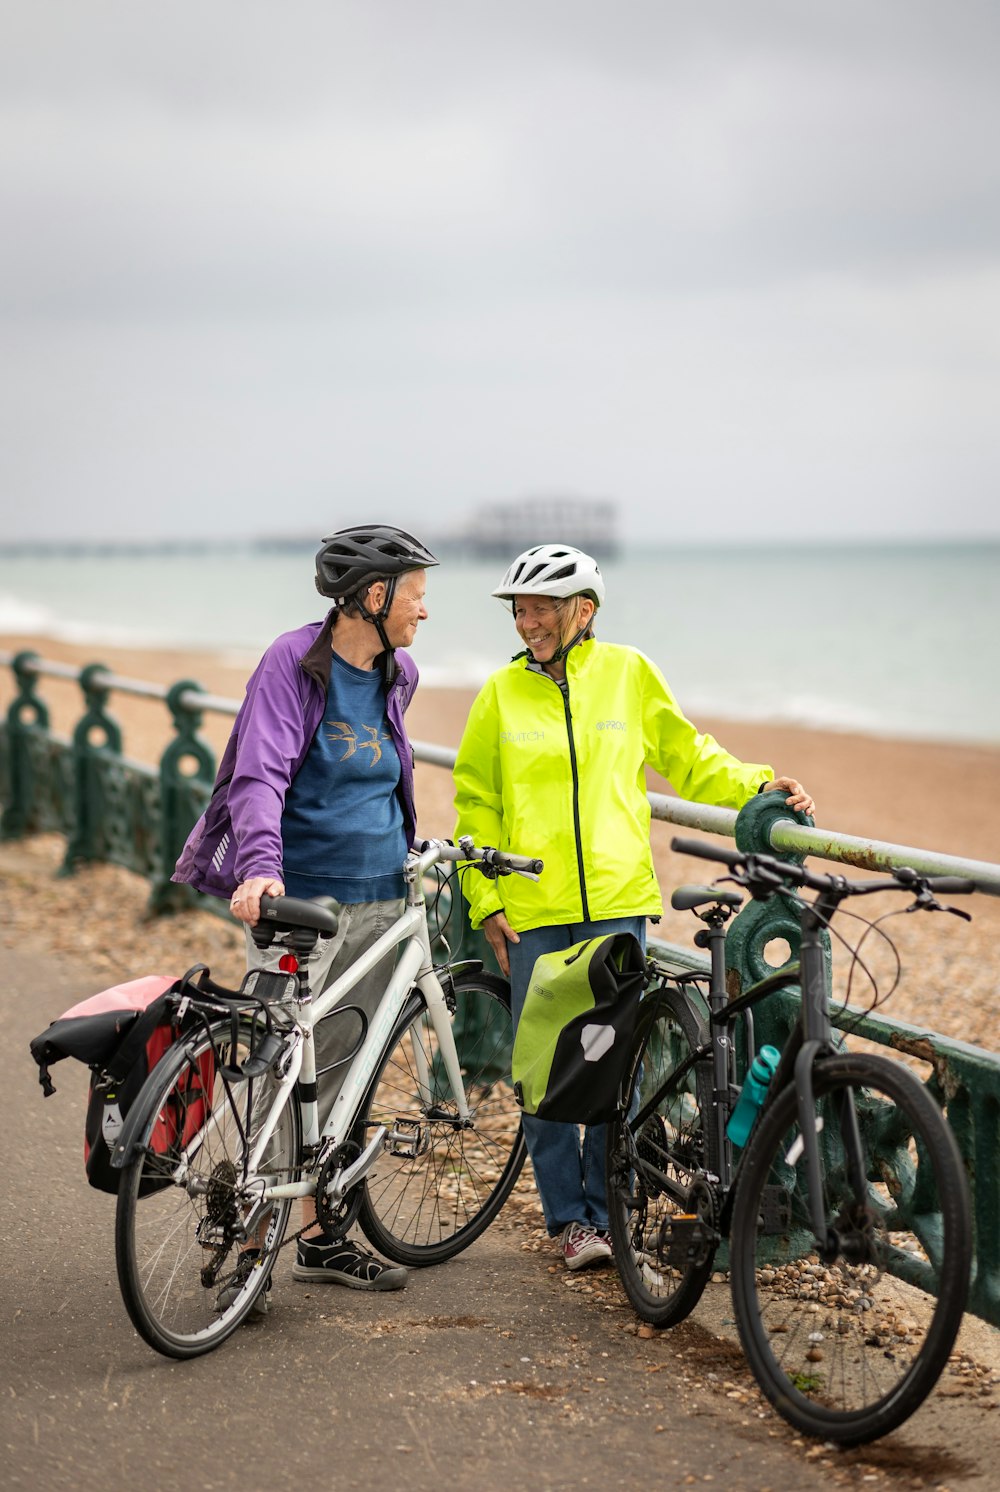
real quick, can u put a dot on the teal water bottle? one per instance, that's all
(752, 1094)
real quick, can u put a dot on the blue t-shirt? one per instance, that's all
(342, 826)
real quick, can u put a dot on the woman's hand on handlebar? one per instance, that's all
(798, 798)
(245, 900)
(498, 934)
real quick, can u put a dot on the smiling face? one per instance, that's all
(407, 610)
(544, 623)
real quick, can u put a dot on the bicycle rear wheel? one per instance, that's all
(660, 1207)
(440, 1181)
(183, 1205)
(846, 1346)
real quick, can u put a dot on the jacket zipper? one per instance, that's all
(576, 800)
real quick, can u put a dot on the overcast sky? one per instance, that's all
(272, 266)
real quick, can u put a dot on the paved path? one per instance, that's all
(490, 1371)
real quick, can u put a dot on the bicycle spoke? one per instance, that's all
(178, 1242)
(441, 1179)
(658, 1151)
(844, 1343)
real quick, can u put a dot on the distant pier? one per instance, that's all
(503, 530)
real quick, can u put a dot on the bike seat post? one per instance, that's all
(300, 942)
(713, 937)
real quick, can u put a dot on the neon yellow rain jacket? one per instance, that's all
(563, 778)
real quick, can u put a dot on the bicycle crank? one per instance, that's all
(687, 1237)
(339, 1174)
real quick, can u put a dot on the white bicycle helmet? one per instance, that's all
(552, 570)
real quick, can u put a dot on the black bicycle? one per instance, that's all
(847, 1211)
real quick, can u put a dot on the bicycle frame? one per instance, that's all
(413, 969)
(845, 1207)
(811, 1039)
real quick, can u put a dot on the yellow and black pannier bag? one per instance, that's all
(576, 1029)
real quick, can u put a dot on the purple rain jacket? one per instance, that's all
(239, 834)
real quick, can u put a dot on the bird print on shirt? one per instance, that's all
(341, 731)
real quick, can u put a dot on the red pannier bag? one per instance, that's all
(121, 1033)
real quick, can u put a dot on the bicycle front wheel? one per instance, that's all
(847, 1342)
(185, 1200)
(661, 1207)
(441, 1180)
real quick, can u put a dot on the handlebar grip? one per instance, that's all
(705, 851)
(952, 885)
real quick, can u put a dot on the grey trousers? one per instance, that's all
(359, 925)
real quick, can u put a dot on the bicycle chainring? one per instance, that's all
(336, 1217)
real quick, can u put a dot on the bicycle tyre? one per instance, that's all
(438, 1184)
(847, 1351)
(657, 1173)
(178, 1248)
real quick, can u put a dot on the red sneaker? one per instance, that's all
(583, 1245)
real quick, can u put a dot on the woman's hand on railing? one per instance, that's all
(798, 798)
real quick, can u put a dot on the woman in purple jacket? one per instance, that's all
(314, 797)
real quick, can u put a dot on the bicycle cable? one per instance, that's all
(853, 950)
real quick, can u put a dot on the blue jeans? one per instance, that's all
(568, 1164)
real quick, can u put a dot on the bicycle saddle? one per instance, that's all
(285, 913)
(686, 898)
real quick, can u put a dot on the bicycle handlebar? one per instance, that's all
(764, 873)
(490, 861)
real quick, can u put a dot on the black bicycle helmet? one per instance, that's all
(354, 556)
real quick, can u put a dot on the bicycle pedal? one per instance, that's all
(681, 1238)
(406, 1139)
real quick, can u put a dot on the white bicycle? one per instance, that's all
(422, 1146)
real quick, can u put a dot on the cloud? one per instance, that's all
(723, 255)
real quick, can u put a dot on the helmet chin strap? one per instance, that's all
(560, 653)
(377, 619)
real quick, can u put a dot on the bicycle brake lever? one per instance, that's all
(761, 882)
(927, 902)
(489, 866)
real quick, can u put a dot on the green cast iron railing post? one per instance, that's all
(184, 793)
(97, 738)
(27, 718)
(760, 924)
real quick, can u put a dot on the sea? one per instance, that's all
(884, 639)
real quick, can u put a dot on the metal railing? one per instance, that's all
(111, 808)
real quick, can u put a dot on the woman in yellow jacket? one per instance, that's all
(552, 763)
